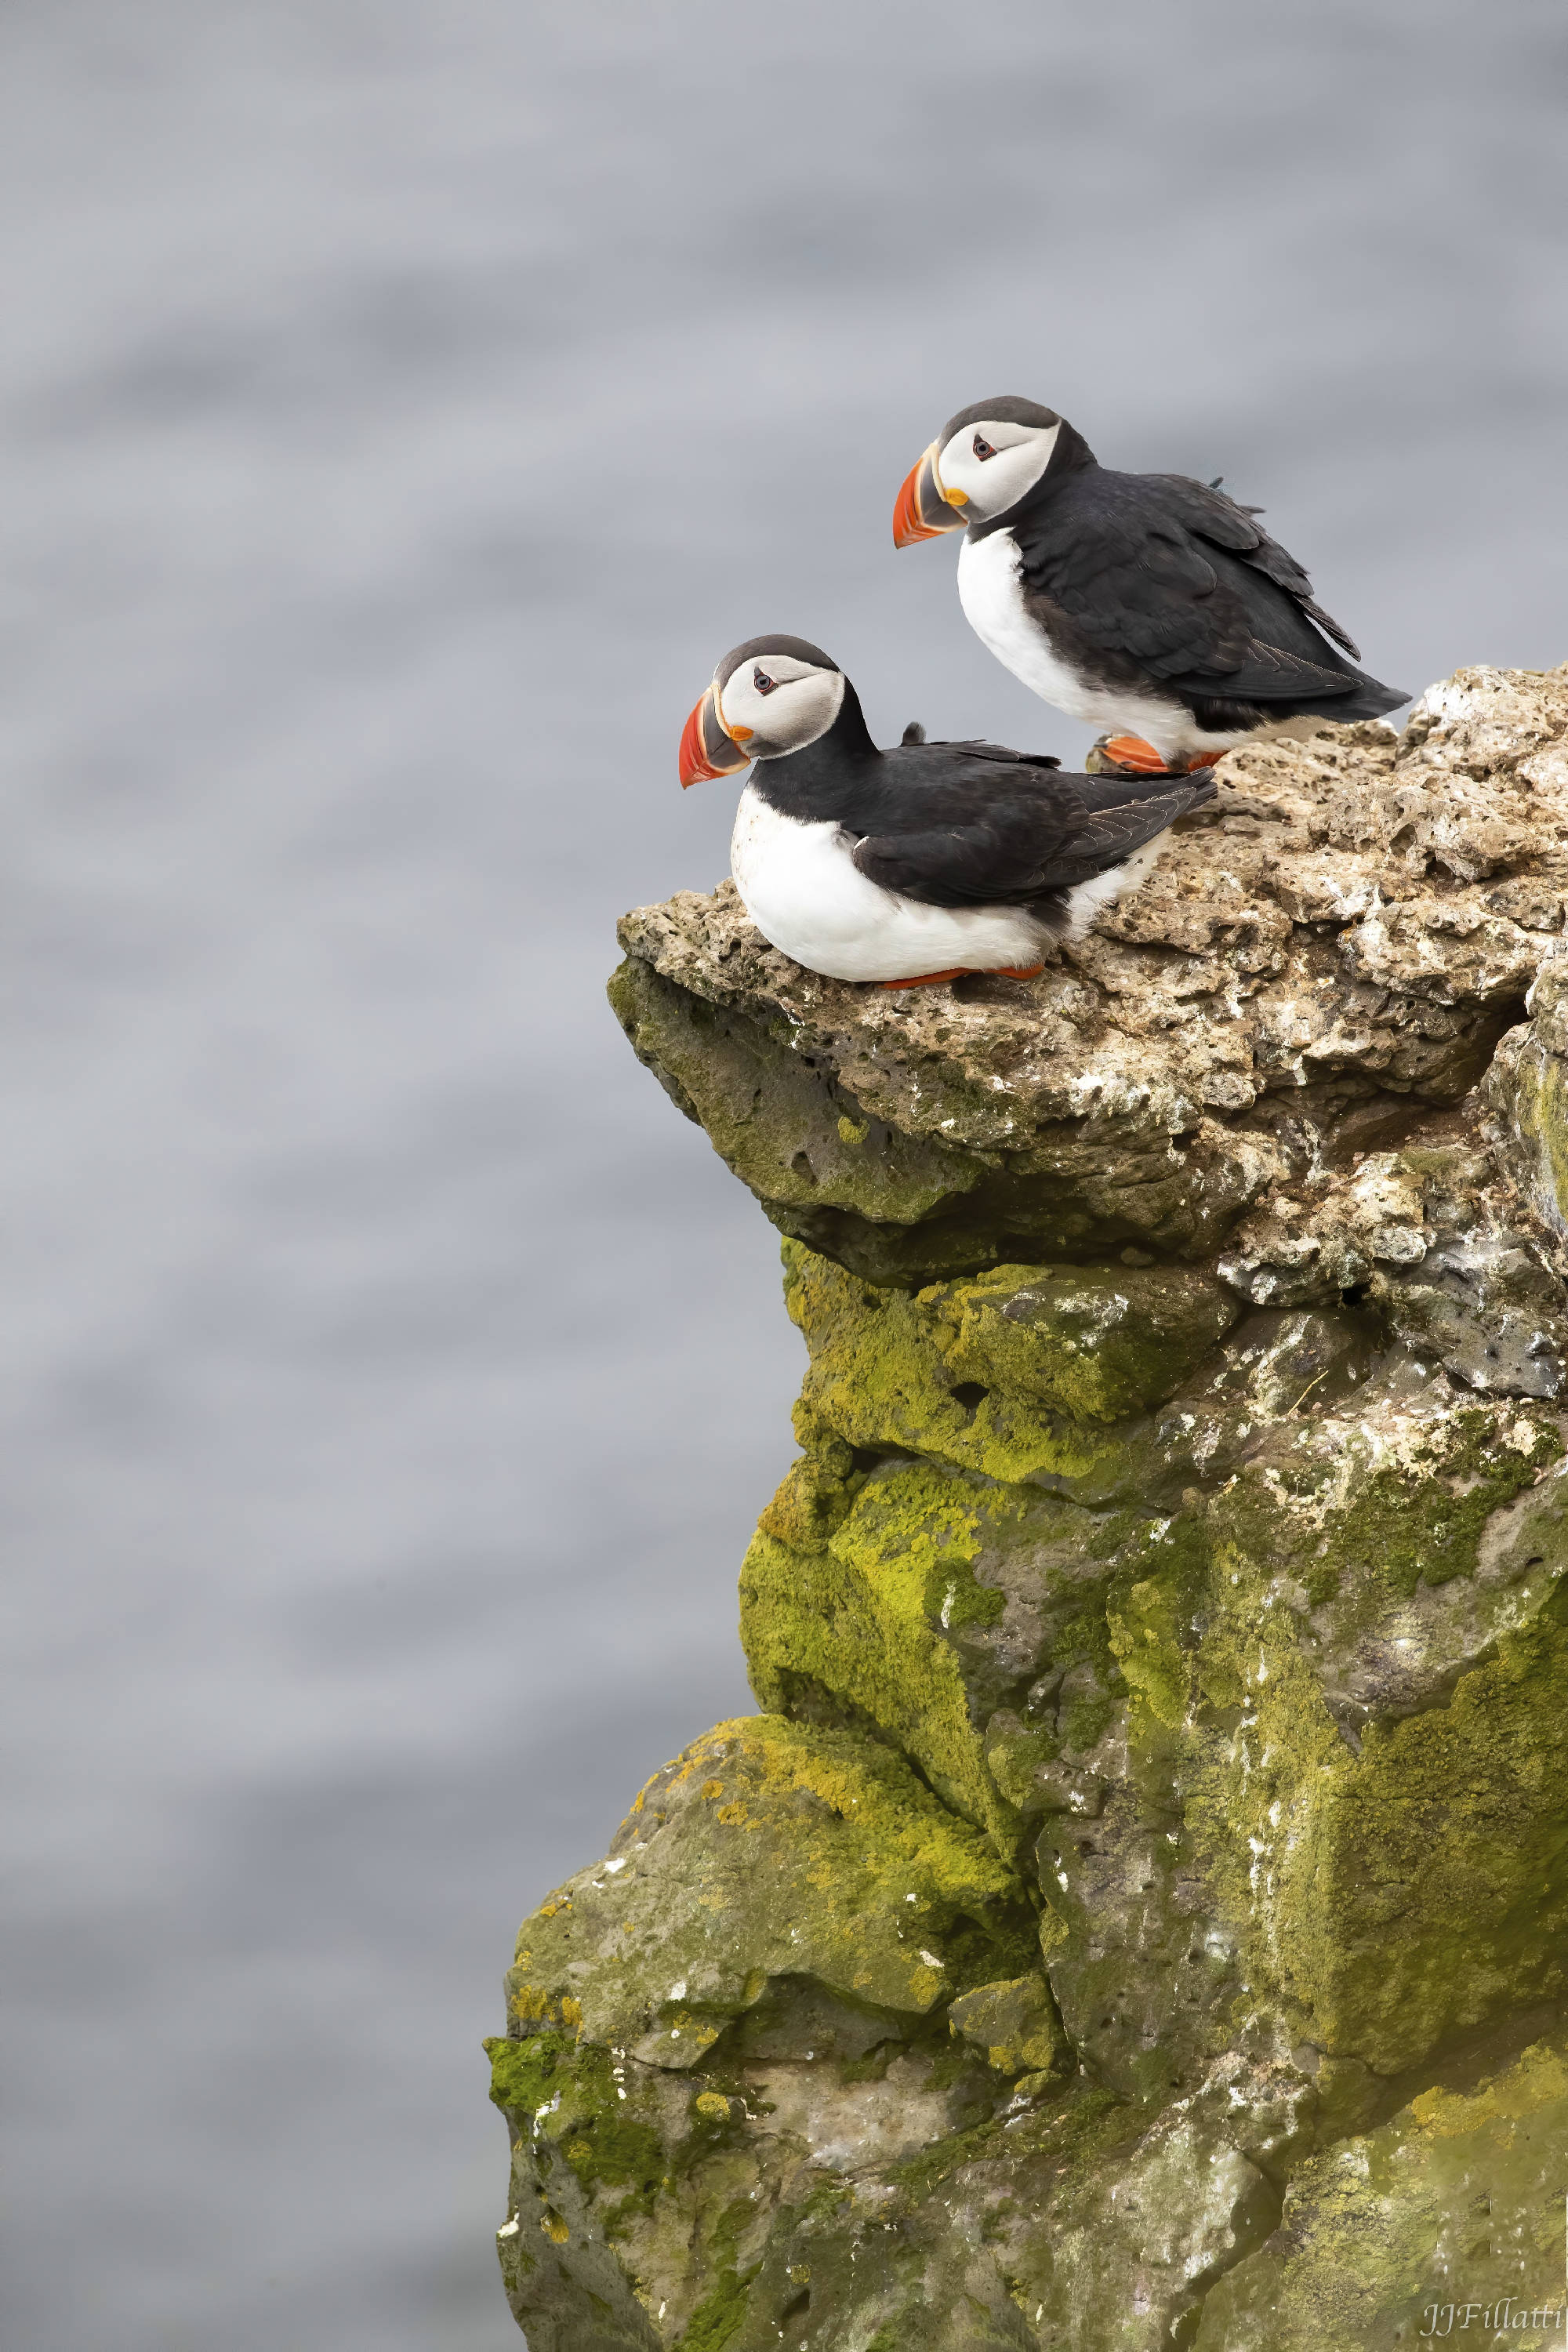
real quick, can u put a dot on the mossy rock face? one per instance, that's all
(916, 2197)
(1139, 1918)
(1282, 1768)
(1217, 1737)
(1528, 1091)
(1013, 1372)
(782, 1121)
(1381, 1819)
(1094, 1345)
(1447, 2220)
(1060, 2223)
(757, 1976)
(1014, 2023)
(768, 1850)
(936, 1602)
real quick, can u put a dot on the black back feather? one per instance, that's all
(972, 823)
(1163, 579)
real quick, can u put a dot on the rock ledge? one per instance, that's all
(1137, 1917)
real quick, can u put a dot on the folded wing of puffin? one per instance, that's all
(919, 862)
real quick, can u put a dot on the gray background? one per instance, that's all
(405, 408)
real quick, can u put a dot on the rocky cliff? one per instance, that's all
(1139, 1915)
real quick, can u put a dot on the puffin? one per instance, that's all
(918, 863)
(1153, 607)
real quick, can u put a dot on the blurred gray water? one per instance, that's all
(405, 408)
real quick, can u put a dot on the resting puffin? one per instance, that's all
(918, 864)
(1150, 605)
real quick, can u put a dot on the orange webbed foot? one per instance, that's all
(969, 971)
(1131, 754)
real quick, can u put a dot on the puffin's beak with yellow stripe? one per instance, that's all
(707, 748)
(925, 508)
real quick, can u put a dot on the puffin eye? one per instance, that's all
(983, 447)
(762, 682)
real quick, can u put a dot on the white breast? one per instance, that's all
(992, 595)
(1085, 900)
(805, 895)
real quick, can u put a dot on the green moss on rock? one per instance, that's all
(1526, 1087)
(936, 1601)
(1016, 1374)
(718, 2315)
(1145, 1639)
(1418, 1889)
(767, 1849)
(1013, 2023)
(1093, 1344)
(860, 1618)
(1394, 1502)
(794, 1133)
(1446, 2222)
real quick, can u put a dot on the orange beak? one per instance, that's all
(705, 749)
(924, 510)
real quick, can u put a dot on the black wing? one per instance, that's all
(977, 747)
(1209, 514)
(1181, 580)
(1007, 846)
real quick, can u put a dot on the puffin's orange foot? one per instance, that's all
(1018, 972)
(1127, 755)
(924, 979)
(1204, 759)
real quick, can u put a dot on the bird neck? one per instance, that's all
(812, 782)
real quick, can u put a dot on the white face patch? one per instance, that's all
(785, 702)
(993, 484)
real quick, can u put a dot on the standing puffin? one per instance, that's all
(1148, 604)
(918, 864)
